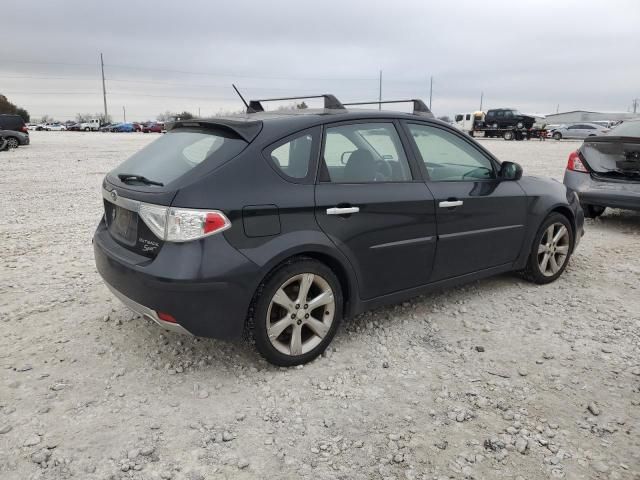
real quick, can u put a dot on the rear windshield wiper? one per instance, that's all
(127, 177)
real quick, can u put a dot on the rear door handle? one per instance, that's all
(450, 203)
(342, 210)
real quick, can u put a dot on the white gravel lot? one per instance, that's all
(499, 379)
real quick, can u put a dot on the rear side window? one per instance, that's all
(293, 157)
(179, 151)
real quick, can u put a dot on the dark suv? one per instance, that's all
(508, 118)
(13, 122)
(279, 225)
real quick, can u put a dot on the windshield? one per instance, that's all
(177, 152)
(626, 129)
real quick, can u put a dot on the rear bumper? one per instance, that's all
(147, 313)
(624, 195)
(206, 285)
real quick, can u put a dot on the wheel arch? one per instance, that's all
(566, 211)
(339, 265)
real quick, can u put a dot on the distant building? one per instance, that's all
(577, 116)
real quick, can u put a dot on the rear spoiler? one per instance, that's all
(247, 130)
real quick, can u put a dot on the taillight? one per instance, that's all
(166, 317)
(182, 224)
(25, 129)
(575, 163)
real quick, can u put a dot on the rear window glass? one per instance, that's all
(177, 152)
(626, 129)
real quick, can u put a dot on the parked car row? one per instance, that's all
(94, 125)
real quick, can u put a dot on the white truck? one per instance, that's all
(91, 125)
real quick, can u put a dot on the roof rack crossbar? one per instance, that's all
(330, 102)
(419, 107)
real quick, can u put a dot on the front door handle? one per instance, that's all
(450, 203)
(342, 210)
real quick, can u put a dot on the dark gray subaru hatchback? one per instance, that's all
(279, 225)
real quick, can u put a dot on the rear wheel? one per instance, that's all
(508, 135)
(551, 250)
(519, 125)
(296, 312)
(12, 142)
(593, 211)
(557, 136)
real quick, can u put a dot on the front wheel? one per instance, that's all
(557, 136)
(551, 250)
(12, 142)
(296, 312)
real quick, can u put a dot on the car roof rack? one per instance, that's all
(419, 107)
(330, 102)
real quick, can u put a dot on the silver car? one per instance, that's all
(605, 170)
(578, 130)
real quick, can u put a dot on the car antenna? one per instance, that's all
(249, 109)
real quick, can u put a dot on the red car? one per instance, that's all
(153, 127)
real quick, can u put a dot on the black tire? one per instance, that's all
(508, 135)
(519, 125)
(87, 129)
(257, 318)
(532, 271)
(12, 142)
(557, 136)
(593, 211)
(494, 125)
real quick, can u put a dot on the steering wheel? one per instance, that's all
(383, 169)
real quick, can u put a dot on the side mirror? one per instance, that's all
(510, 171)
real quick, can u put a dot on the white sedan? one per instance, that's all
(54, 127)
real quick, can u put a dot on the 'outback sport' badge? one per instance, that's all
(114, 195)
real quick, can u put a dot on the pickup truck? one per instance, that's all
(91, 125)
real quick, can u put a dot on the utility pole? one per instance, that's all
(557, 108)
(380, 92)
(635, 105)
(104, 89)
(124, 114)
(198, 112)
(481, 98)
(430, 91)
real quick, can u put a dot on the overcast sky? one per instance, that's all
(184, 55)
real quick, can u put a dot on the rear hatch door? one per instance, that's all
(154, 175)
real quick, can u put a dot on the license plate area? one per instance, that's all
(122, 223)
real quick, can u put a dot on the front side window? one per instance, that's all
(449, 158)
(293, 157)
(363, 153)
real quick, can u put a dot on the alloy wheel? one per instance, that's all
(300, 314)
(553, 250)
(12, 142)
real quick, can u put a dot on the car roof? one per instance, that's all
(248, 125)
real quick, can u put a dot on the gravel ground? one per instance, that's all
(496, 379)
